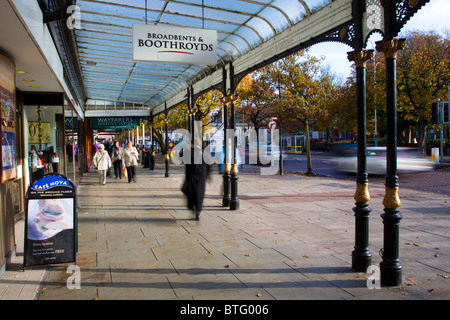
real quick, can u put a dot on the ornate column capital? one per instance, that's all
(360, 57)
(390, 47)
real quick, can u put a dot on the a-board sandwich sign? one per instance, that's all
(50, 221)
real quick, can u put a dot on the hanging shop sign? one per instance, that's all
(71, 124)
(50, 221)
(8, 167)
(174, 44)
(103, 123)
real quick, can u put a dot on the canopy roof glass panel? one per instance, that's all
(104, 41)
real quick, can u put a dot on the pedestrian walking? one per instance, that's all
(195, 184)
(130, 158)
(116, 158)
(102, 162)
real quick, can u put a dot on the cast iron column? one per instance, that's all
(361, 256)
(234, 202)
(226, 166)
(152, 149)
(189, 114)
(166, 121)
(191, 120)
(390, 267)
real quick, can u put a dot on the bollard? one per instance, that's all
(435, 155)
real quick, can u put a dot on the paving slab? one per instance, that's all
(291, 239)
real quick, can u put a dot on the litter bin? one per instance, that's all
(435, 155)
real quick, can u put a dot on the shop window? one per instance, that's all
(45, 140)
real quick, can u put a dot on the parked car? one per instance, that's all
(408, 160)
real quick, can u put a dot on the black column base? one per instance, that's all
(226, 190)
(390, 267)
(167, 168)
(361, 261)
(391, 274)
(361, 256)
(234, 203)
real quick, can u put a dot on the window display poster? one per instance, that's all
(8, 155)
(50, 229)
(7, 120)
(38, 132)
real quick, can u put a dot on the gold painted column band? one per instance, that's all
(360, 57)
(234, 169)
(391, 199)
(226, 168)
(390, 47)
(362, 193)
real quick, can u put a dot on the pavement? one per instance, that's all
(291, 239)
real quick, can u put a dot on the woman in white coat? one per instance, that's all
(130, 158)
(102, 162)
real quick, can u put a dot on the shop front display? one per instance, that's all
(8, 165)
(8, 113)
(45, 140)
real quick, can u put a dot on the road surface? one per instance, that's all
(437, 181)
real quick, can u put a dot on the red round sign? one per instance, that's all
(272, 125)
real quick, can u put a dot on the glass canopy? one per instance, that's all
(104, 41)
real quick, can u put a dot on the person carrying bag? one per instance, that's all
(130, 159)
(102, 162)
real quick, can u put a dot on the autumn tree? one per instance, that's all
(375, 94)
(343, 110)
(422, 76)
(206, 106)
(158, 127)
(307, 92)
(255, 101)
(256, 98)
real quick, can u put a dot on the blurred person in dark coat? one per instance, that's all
(195, 182)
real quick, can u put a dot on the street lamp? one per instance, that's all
(152, 147)
(166, 121)
(441, 129)
(374, 93)
(374, 97)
